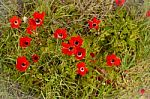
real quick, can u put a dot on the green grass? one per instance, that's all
(123, 30)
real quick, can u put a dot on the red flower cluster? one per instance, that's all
(113, 60)
(74, 48)
(22, 63)
(82, 70)
(36, 21)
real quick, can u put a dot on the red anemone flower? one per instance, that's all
(22, 64)
(108, 81)
(80, 53)
(38, 18)
(113, 60)
(15, 22)
(76, 41)
(148, 13)
(68, 49)
(142, 91)
(120, 2)
(60, 33)
(35, 58)
(82, 70)
(94, 23)
(92, 55)
(31, 26)
(25, 42)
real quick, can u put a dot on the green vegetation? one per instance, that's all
(122, 31)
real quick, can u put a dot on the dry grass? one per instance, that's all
(137, 78)
(11, 90)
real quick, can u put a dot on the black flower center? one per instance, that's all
(37, 20)
(94, 24)
(82, 69)
(26, 43)
(70, 48)
(76, 43)
(79, 53)
(112, 61)
(23, 64)
(60, 35)
(16, 22)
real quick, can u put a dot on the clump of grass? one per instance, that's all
(54, 76)
(11, 90)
